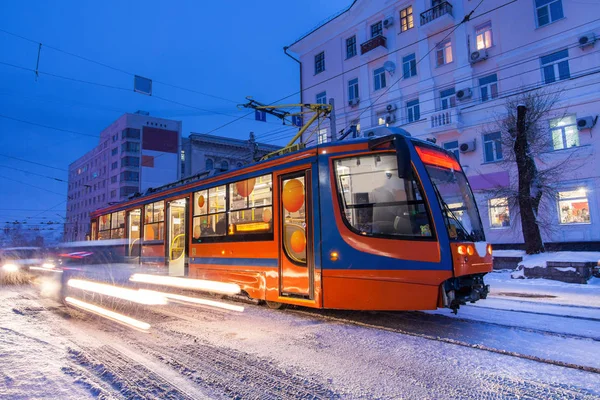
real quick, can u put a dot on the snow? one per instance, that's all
(540, 260)
(566, 269)
(508, 253)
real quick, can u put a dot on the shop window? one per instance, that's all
(573, 207)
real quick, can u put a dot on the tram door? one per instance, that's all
(296, 254)
(134, 232)
(176, 243)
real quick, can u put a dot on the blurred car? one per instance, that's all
(21, 259)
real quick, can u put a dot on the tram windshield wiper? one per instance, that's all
(468, 235)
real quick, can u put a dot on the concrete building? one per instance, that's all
(135, 152)
(412, 64)
(202, 152)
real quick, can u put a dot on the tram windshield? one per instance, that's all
(454, 194)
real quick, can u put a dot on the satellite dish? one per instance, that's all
(389, 66)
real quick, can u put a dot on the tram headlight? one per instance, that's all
(489, 249)
(462, 250)
(470, 250)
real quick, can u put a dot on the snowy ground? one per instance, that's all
(487, 351)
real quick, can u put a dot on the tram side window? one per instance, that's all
(117, 225)
(104, 227)
(209, 213)
(375, 201)
(154, 221)
(250, 205)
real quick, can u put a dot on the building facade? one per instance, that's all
(202, 153)
(135, 152)
(413, 64)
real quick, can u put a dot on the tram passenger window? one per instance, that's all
(104, 227)
(117, 225)
(154, 221)
(250, 207)
(209, 214)
(375, 201)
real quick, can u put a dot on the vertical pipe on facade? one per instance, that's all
(285, 49)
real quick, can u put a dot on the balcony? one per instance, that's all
(373, 43)
(440, 15)
(445, 120)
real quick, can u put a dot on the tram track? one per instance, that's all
(456, 342)
(543, 313)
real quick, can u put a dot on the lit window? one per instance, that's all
(492, 147)
(353, 89)
(564, 132)
(406, 19)
(379, 78)
(488, 87)
(381, 121)
(444, 53)
(573, 207)
(320, 62)
(448, 98)
(499, 213)
(409, 65)
(453, 147)
(483, 36)
(154, 221)
(556, 65)
(548, 11)
(413, 112)
(376, 29)
(322, 136)
(351, 47)
(322, 98)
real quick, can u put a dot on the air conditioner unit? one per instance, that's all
(587, 40)
(353, 102)
(389, 21)
(467, 147)
(585, 123)
(477, 56)
(464, 94)
(391, 107)
(390, 119)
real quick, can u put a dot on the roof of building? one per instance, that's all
(229, 141)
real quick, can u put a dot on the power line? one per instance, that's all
(33, 162)
(48, 127)
(33, 173)
(33, 186)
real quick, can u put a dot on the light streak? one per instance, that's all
(42, 268)
(194, 300)
(185, 283)
(108, 314)
(119, 292)
(10, 267)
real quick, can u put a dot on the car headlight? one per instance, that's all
(48, 265)
(10, 267)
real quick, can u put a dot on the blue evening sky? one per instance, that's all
(230, 49)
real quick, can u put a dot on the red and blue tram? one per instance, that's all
(381, 223)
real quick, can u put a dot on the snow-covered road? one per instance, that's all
(49, 351)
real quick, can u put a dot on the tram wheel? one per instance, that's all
(273, 305)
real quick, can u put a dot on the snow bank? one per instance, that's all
(508, 253)
(540, 260)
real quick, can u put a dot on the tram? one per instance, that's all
(387, 222)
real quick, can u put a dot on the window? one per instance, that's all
(488, 87)
(322, 137)
(444, 53)
(113, 179)
(556, 65)
(130, 146)
(376, 202)
(381, 121)
(209, 214)
(224, 165)
(113, 194)
(573, 207)
(406, 19)
(320, 62)
(409, 66)
(413, 112)
(483, 36)
(115, 138)
(182, 155)
(376, 29)
(114, 151)
(353, 89)
(130, 133)
(130, 176)
(548, 11)
(209, 164)
(114, 165)
(112, 226)
(492, 147)
(351, 47)
(128, 190)
(379, 77)
(453, 147)
(448, 98)
(130, 161)
(498, 211)
(322, 98)
(250, 206)
(564, 132)
(154, 221)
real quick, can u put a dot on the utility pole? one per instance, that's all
(527, 172)
(332, 120)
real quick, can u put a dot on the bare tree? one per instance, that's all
(525, 137)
